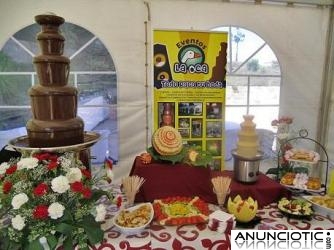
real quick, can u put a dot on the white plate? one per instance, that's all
(318, 208)
(134, 230)
(318, 191)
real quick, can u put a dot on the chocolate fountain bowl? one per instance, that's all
(246, 170)
(81, 150)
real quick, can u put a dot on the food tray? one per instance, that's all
(323, 210)
(134, 230)
(290, 154)
(180, 210)
(296, 208)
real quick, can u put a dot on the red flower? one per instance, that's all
(41, 189)
(42, 156)
(46, 156)
(77, 187)
(40, 212)
(11, 169)
(86, 173)
(52, 165)
(119, 201)
(6, 187)
(108, 163)
(86, 192)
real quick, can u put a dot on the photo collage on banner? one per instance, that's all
(189, 87)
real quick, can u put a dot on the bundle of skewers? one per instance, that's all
(131, 186)
(221, 186)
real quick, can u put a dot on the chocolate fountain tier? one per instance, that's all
(52, 69)
(49, 21)
(45, 102)
(51, 43)
(55, 133)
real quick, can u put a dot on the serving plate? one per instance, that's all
(135, 221)
(318, 191)
(306, 156)
(296, 208)
(318, 206)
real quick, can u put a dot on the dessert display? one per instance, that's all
(53, 102)
(302, 155)
(301, 181)
(167, 141)
(248, 142)
(180, 210)
(295, 207)
(243, 210)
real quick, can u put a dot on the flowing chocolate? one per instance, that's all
(53, 103)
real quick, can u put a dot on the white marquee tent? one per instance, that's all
(300, 32)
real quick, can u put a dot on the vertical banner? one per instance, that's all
(189, 87)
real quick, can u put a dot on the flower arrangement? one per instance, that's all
(52, 197)
(283, 134)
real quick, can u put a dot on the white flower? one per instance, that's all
(56, 210)
(60, 184)
(65, 163)
(73, 175)
(100, 213)
(110, 174)
(3, 167)
(18, 200)
(28, 163)
(18, 222)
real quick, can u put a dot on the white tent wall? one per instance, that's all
(297, 35)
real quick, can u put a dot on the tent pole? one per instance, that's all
(327, 85)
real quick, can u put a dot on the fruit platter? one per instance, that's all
(296, 208)
(180, 210)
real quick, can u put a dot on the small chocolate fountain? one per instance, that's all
(247, 156)
(55, 125)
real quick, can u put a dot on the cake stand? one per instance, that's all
(81, 150)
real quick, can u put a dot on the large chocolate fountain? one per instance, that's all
(55, 125)
(53, 102)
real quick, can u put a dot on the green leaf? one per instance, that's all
(272, 171)
(93, 230)
(171, 158)
(35, 245)
(68, 243)
(52, 241)
(67, 217)
(98, 193)
(65, 228)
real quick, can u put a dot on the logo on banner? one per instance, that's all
(281, 239)
(191, 59)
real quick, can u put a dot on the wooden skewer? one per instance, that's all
(221, 184)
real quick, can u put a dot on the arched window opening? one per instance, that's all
(253, 78)
(92, 72)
